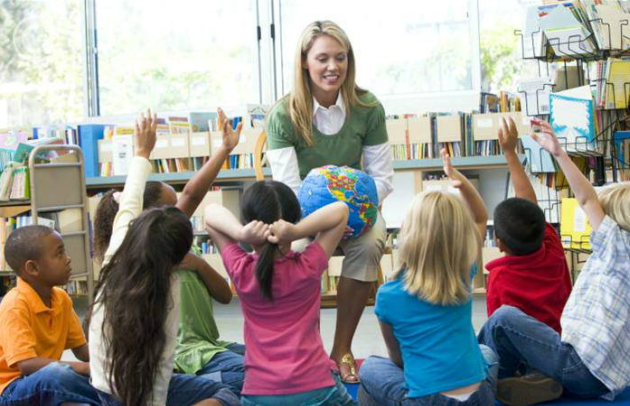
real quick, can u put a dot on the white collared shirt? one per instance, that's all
(377, 159)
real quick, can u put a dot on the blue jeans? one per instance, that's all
(521, 341)
(227, 367)
(383, 384)
(187, 390)
(52, 385)
(330, 396)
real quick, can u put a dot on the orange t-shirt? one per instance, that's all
(29, 329)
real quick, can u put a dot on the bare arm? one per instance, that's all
(393, 347)
(32, 365)
(217, 287)
(198, 185)
(475, 203)
(224, 228)
(82, 353)
(508, 138)
(328, 223)
(584, 191)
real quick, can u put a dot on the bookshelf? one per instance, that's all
(595, 58)
(61, 204)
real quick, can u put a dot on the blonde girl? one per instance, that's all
(425, 312)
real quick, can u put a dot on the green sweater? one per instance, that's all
(364, 126)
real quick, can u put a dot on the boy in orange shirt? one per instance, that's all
(37, 323)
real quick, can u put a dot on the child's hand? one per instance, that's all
(281, 232)
(230, 136)
(547, 138)
(254, 233)
(508, 135)
(145, 134)
(81, 368)
(453, 174)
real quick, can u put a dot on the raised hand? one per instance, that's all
(254, 233)
(145, 134)
(281, 232)
(453, 174)
(230, 136)
(546, 138)
(508, 135)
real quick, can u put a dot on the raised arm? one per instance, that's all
(508, 138)
(475, 203)
(198, 185)
(130, 205)
(584, 191)
(328, 223)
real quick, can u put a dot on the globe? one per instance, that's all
(328, 184)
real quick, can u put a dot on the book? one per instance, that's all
(572, 119)
(575, 230)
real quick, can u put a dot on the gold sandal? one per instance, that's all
(352, 366)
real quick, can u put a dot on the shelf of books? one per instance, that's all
(58, 204)
(582, 50)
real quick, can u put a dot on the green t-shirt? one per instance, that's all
(364, 126)
(198, 336)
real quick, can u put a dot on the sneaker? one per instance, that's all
(528, 390)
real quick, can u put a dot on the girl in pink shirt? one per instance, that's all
(285, 362)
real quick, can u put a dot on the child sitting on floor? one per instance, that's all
(37, 323)
(134, 321)
(591, 357)
(533, 275)
(425, 313)
(199, 350)
(285, 362)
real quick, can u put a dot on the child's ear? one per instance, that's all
(501, 245)
(31, 268)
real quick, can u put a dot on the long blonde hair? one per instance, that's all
(615, 200)
(300, 106)
(439, 245)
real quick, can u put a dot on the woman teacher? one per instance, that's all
(328, 120)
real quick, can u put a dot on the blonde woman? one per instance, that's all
(328, 120)
(425, 313)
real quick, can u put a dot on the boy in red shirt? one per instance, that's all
(533, 276)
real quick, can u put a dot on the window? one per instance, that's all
(402, 47)
(42, 63)
(176, 55)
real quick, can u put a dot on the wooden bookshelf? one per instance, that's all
(234, 176)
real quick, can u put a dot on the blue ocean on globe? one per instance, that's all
(328, 184)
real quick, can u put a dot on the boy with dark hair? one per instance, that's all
(533, 275)
(37, 323)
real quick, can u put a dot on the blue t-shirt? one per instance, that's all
(438, 345)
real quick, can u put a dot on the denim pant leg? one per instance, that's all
(231, 367)
(520, 339)
(52, 385)
(339, 395)
(187, 390)
(237, 348)
(382, 383)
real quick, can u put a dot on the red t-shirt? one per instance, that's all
(539, 283)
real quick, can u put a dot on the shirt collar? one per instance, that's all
(339, 104)
(33, 298)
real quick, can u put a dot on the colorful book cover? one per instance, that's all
(575, 230)
(573, 121)
(10, 140)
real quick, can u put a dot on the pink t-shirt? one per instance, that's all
(285, 354)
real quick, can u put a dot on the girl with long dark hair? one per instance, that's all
(285, 362)
(134, 319)
(199, 349)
